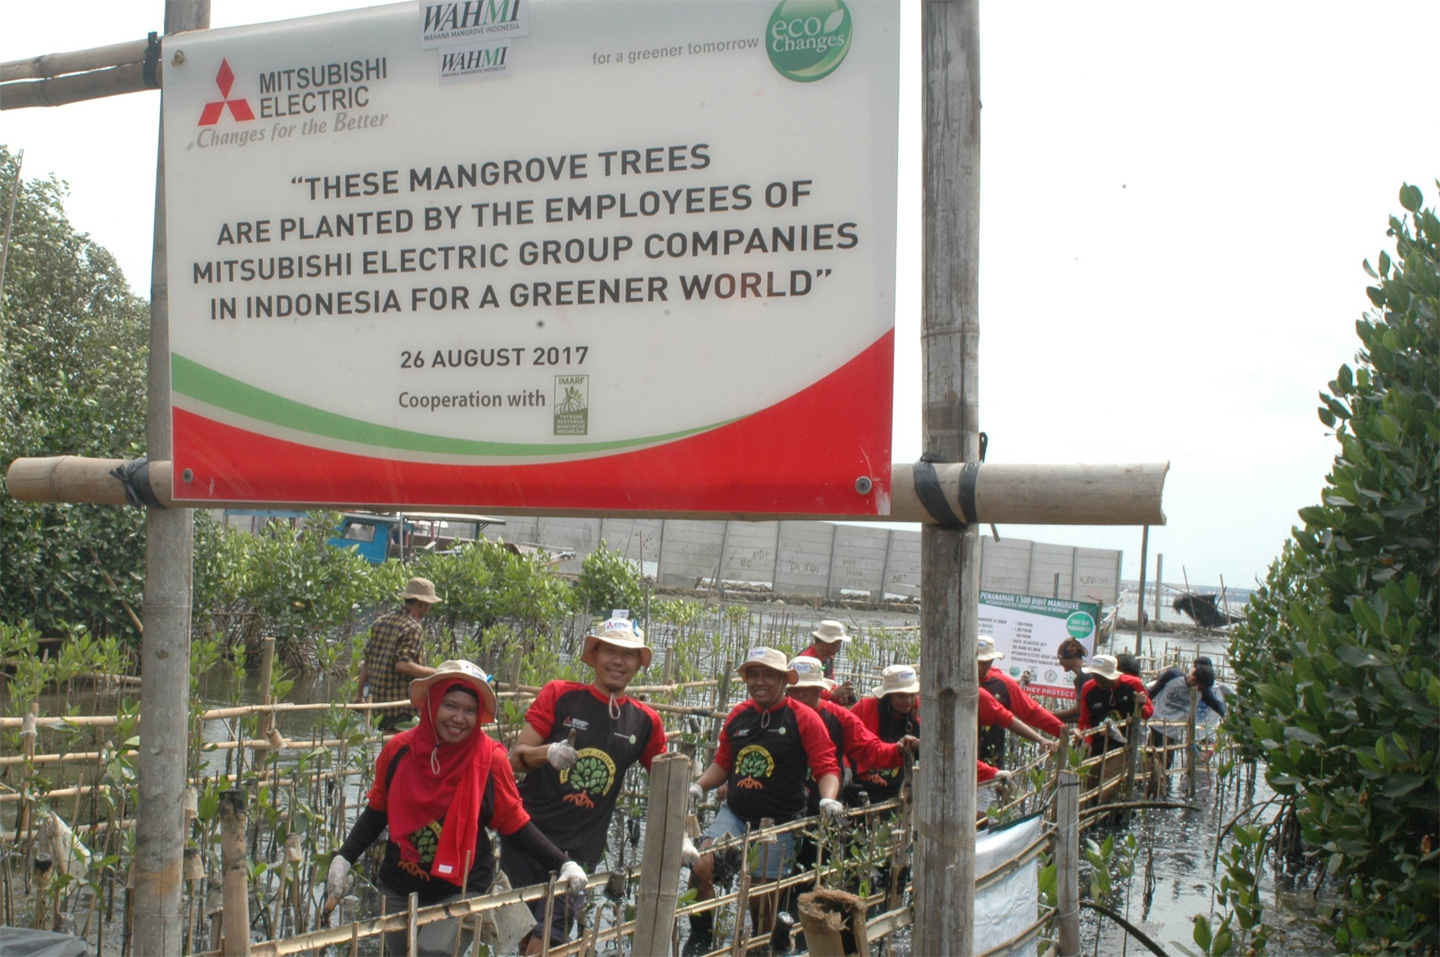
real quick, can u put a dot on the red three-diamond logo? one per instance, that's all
(239, 108)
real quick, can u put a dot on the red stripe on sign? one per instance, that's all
(799, 456)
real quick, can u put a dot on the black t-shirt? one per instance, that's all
(405, 877)
(768, 755)
(573, 807)
(889, 725)
(1117, 703)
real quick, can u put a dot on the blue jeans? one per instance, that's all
(772, 861)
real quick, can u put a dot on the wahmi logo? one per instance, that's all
(457, 20)
(458, 62)
(239, 107)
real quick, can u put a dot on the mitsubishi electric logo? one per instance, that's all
(239, 108)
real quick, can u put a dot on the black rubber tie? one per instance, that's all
(135, 477)
(932, 496)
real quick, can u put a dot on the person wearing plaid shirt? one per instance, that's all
(394, 652)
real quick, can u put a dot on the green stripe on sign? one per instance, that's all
(203, 384)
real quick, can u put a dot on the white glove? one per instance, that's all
(561, 756)
(831, 808)
(697, 793)
(338, 881)
(689, 856)
(574, 876)
(1003, 776)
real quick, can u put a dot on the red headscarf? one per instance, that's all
(436, 781)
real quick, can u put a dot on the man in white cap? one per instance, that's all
(852, 740)
(1112, 694)
(395, 651)
(830, 637)
(891, 714)
(1008, 692)
(576, 745)
(768, 745)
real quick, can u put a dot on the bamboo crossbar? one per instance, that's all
(74, 87)
(1011, 494)
(76, 61)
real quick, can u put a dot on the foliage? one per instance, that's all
(73, 347)
(1341, 647)
(286, 582)
(609, 580)
(485, 584)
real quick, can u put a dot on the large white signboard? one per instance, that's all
(618, 255)
(1029, 630)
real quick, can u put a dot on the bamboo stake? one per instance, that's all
(659, 869)
(234, 881)
(412, 930)
(742, 899)
(549, 916)
(1067, 864)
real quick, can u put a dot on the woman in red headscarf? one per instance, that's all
(438, 787)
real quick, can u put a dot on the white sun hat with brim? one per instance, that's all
(618, 633)
(985, 649)
(420, 589)
(810, 673)
(768, 658)
(471, 674)
(1104, 666)
(898, 679)
(830, 631)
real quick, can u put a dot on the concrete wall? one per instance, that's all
(821, 560)
(817, 559)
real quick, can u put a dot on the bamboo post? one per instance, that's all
(44, 870)
(949, 555)
(1067, 864)
(165, 647)
(267, 663)
(28, 734)
(412, 929)
(722, 707)
(549, 916)
(660, 865)
(1140, 598)
(742, 899)
(235, 884)
(1191, 757)
(517, 658)
(1159, 572)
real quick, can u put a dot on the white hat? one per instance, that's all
(898, 679)
(620, 633)
(810, 673)
(1103, 665)
(831, 631)
(985, 649)
(768, 658)
(420, 589)
(468, 672)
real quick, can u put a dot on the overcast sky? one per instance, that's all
(1176, 201)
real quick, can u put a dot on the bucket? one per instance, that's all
(502, 928)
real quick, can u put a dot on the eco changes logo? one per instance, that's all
(808, 39)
